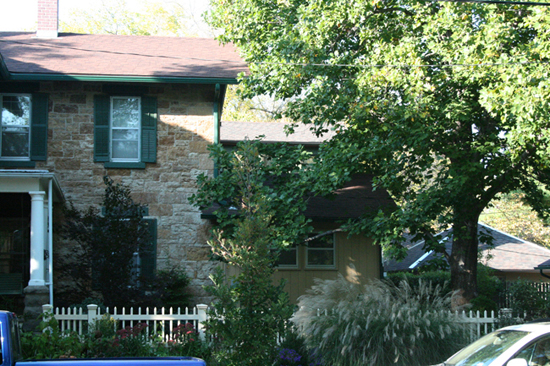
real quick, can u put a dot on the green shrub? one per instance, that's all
(526, 299)
(436, 278)
(50, 342)
(170, 288)
(186, 342)
(105, 340)
(489, 288)
(379, 323)
(293, 350)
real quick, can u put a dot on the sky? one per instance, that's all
(21, 15)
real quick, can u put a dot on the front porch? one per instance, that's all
(27, 198)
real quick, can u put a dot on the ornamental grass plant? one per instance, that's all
(378, 323)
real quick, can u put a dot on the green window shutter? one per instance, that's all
(149, 257)
(148, 130)
(39, 127)
(102, 106)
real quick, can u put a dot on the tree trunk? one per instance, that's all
(463, 260)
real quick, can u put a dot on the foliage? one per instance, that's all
(253, 170)
(170, 288)
(107, 243)
(509, 213)
(490, 289)
(261, 199)
(436, 278)
(378, 323)
(90, 301)
(187, 342)
(526, 299)
(258, 109)
(157, 19)
(442, 101)
(50, 341)
(105, 339)
(293, 350)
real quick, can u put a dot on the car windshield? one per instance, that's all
(486, 349)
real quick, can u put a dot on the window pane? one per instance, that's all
(126, 134)
(322, 242)
(15, 142)
(320, 258)
(287, 258)
(125, 150)
(16, 110)
(126, 112)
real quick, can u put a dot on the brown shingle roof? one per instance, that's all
(509, 253)
(356, 198)
(353, 200)
(116, 55)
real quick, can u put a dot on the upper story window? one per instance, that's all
(23, 129)
(125, 129)
(16, 127)
(321, 252)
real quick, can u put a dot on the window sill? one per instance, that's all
(293, 268)
(112, 165)
(17, 163)
(321, 268)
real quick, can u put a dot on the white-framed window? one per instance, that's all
(125, 129)
(288, 258)
(15, 127)
(321, 252)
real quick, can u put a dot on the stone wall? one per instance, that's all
(184, 130)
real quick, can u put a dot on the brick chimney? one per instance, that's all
(48, 18)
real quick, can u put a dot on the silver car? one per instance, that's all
(517, 345)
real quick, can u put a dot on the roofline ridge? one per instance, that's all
(504, 233)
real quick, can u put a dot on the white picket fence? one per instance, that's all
(480, 323)
(160, 322)
(163, 321)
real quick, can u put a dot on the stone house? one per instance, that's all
(141, 110)
(77, 107)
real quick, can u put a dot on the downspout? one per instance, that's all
(219, 96)
(4, 72)
(542, 274)
(50, 237)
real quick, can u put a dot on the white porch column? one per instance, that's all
(37, 238)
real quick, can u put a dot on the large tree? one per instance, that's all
(442, 101)
(115, 17)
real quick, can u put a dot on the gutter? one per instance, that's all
(113, 78)
(541, 268)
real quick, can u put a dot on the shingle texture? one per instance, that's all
(509, 253)
(116, 55)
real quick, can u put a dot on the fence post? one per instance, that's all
(201, 311)
(92, 315)
(47, 308)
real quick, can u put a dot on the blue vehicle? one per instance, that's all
(10, 354)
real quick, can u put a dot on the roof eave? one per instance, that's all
(114, 78)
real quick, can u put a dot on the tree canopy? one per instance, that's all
(510, 214)
(442, 101)
(157, 19)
